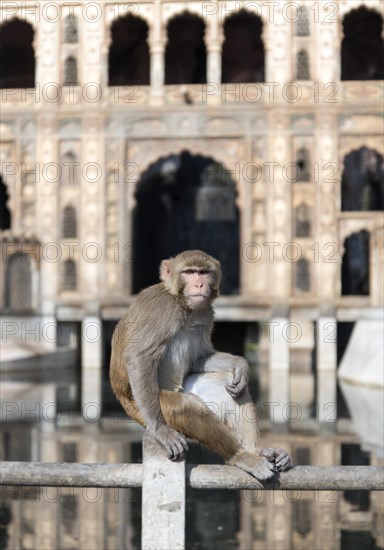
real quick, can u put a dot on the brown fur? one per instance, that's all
(163, 339)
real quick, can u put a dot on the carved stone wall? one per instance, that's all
(258, 131)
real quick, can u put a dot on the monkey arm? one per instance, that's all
(143, 354)
(145, 391)
(225, 362)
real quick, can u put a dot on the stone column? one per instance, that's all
(47, 449)
(163, 499)
(326, 370)
(91, 349)
(278, 367)
(157, 48)
(213, 40)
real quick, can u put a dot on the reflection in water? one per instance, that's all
(71, 519)
(110, 519)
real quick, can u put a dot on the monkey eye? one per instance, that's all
(192, 271)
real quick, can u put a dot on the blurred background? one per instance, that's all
(133, 131)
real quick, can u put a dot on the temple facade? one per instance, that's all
(132, 131)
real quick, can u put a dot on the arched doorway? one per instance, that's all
(128, 58)
(185, 54)
(362, 184)
(17, 56)
(243, 48)
(185, 201)
(362, 45)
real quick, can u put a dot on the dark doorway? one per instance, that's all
(355, 266)
(185, 202)
(185, 54)
(362, 184)
(243, 49)
(128, 62)
(5, 215)
(362, 46)
(17, 57)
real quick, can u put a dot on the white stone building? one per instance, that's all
(253, 130)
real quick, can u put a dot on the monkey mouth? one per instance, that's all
(198, 297)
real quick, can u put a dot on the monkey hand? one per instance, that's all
(173, 442)
(239, 380)
(279, 457)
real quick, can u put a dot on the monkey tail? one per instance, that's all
(189, 415)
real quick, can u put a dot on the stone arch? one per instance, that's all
(302, 65)
(362, 182)
(185, 54)
(17, 55)
(69, 229)
(5, 214)
(243, 55)
(69, 276)
(18, 282)
(362, 45)
(128, 58)
(71, 71)
(185, 201)
(71, 30)
(355, 268)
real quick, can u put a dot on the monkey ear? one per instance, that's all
(165, 270)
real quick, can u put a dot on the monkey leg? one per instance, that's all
(238, 414)
(189, 415)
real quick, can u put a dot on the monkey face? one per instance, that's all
(197, 286)
(192, 276)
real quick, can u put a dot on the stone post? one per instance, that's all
(214, 40)
(163, 509)
(91, 350)
(157, 48)
(326, 370)
(278, 366)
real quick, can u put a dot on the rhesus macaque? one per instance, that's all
(167, 375)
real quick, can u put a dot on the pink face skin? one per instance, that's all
(197, 286)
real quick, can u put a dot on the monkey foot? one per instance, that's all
(258, 466)
(279, 457)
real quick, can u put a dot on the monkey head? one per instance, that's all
(193, 277)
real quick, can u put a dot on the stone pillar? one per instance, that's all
(91, 351)
(157, 48)
(91, 511)
(163, 507)
(44, 439)
(326, 370)
(213, 40)
(326, 502)
(278, 368)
